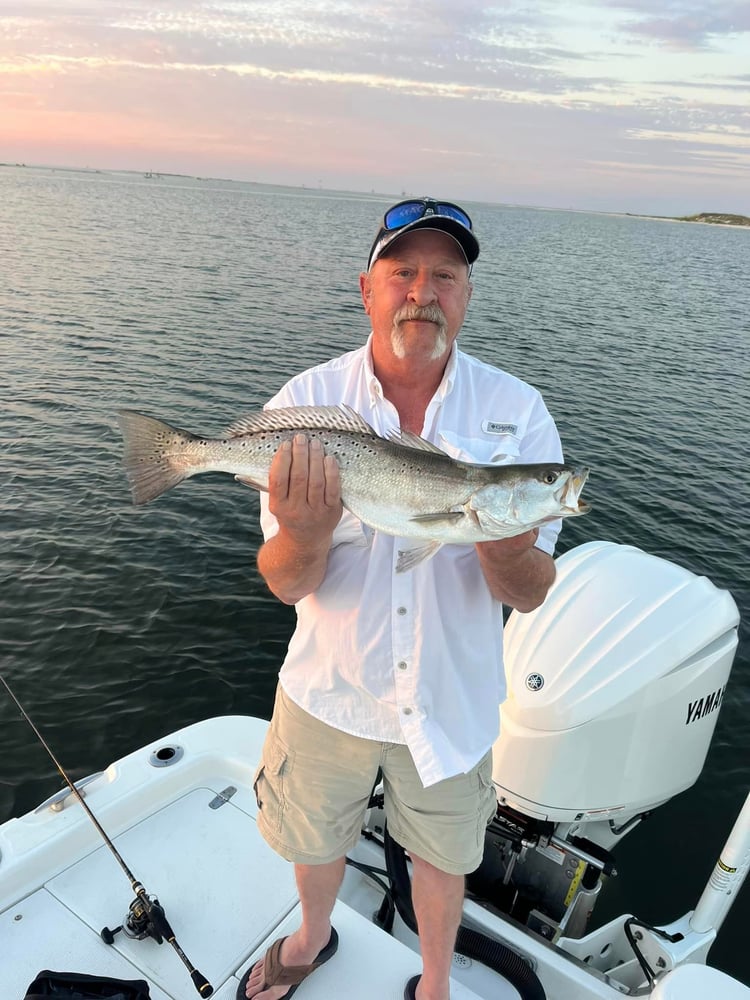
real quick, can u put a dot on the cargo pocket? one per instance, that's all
(269, 784)
(487, 797)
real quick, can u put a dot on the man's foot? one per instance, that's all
(410, 992)
(286, 964)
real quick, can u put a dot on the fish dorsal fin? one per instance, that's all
(302, 418)
(410, 440)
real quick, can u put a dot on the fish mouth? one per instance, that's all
(570, 495)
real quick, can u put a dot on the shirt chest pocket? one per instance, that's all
(500, 449)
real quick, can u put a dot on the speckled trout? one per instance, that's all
(401, 484)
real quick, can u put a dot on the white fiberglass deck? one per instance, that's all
(226, 894)
(187, 831)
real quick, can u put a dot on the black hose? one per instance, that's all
(495, 955)
(502, 960)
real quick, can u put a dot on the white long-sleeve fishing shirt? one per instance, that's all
(413, 657)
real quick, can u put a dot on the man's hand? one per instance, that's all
(304, 491)
(517, 573)
(304, 494)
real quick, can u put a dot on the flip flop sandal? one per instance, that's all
(410, 992)
(276, 974)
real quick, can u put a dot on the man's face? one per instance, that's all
(416, 296)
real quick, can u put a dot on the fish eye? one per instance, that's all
(550, 477)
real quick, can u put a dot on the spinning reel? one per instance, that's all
(145, 919)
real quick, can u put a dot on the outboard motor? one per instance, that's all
(614, 688)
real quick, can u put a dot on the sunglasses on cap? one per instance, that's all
(409, 211)
(415, 213)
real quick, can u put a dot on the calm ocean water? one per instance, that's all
(195, 300)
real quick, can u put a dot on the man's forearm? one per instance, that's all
(517, 574)
(304, 496)
(292, 570)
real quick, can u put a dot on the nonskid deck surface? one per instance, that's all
(227, 897)
(182, 815)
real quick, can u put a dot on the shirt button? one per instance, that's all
(407, 711)
(401, 665)
(401, 610)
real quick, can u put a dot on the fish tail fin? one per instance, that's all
(155, 457)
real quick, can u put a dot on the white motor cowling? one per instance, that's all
(699, 982)
(614, 686)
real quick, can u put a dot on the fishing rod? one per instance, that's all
(145, 916)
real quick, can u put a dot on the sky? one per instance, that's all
(615, 105)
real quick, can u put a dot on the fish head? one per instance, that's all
(529, 495)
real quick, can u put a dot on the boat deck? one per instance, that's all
(182, 815)
(226, 894)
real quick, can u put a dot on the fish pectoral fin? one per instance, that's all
(247, 481)
(409, 558)
(449, 516)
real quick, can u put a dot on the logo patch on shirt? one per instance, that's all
(493, 427)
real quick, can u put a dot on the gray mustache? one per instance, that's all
(423, 314)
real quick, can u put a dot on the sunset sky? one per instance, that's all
(639, 106)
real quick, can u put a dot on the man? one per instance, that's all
(402, 671)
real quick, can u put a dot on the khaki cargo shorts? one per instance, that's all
(314, 782)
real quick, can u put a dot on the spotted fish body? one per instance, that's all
(401, 485)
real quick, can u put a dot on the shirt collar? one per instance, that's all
(449, 375)
(374, 387)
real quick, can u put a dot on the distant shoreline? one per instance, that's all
(704, 218)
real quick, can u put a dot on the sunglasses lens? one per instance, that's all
(402, 215)
(454, 212)
(410, 211)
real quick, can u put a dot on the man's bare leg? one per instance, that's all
(318, 886)
(438, 904)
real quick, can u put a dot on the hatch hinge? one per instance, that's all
(222, 798)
